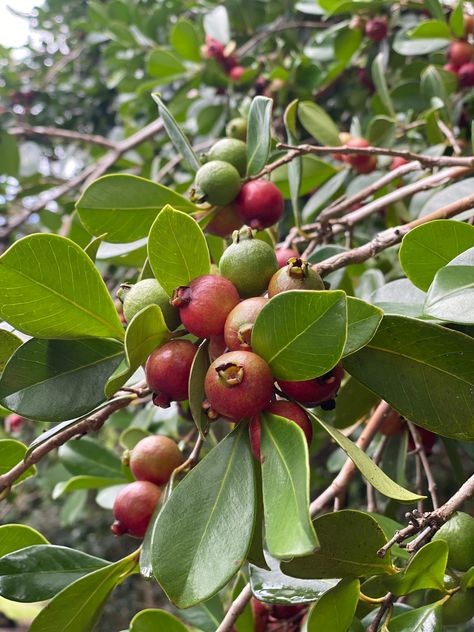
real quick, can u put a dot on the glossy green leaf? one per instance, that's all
(202, 535)
(363, 320)
(185, 40)
(467, 580)
(259, 130)
(389, 527)
(425, 619)
(334, 611)
(301, 334)
(405, 45)
(88, 456)
(346, 43)
(8, 343)
(197, 395)
(77, 608)
(49, 288)
(11, 453)
(177, 249)
(93, 246)
(370, 471)
(145, 332)
(83, 481)
(431, 84)
(456, 19)
(451, 295)
(9, 154)
(450, 193)
(381, 131)
(349, 543)
(431, 29)
(152, 620)
(178, 138)
(314, 173)
(285, 481)
(125, 206)
(323, 194)
(52, 380)
(164, 66)
(425, 570)
(318, 123)
(18, 536)
(354, 402)
(379, 78)
(412, 365)
(295, 167)
(206, 616)
(39, 572)
(435, 8)
(399, 297)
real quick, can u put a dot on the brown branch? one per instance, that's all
(54, 132)
(385, 607)
(236, 608)
(92, 423)
(432, 486)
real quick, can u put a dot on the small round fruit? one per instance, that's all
(249, 263)
(296, 275)
(217, 182)
(224, 222)
(376, 29)
(134, 507)
(398, 161)
(236, 73)
(466, 75)
(148, 292)
(287, 612)
(316, 391)
(167, 371)
(358, 161)
(458, 532)
(240, 321)
(205, 304)
(460, 52)
(392, 424)
(259, 204)
(283, 254)
(13, 423)
(459, 608)
(232, 151)
(238, 384)
(237, 128)
(451, 68)
(154, 458)
(213, 48)
(368, 166)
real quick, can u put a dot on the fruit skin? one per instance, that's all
(238, 384)
(232, 151)
(367, 167)
(224, 222)
(237, 128)
(167, 370)
(217, 182)
(154, 458)
(451, 68)
(460, 52)
(13, 423)
(466, 75)
(217, 346)
(361, 163)
(239, 323)
(459, 608)
(213, 48)
(260, 613)
(393, 424)
(236, 73)
(134, 507)
(468, 24)
(296, 275)
(376, 29)
(286, 612)
(458, 532)
(249, 263)
(205, 304)
(398, 161)
(149, 292)
(428, 439)
(259, 204)
(283, 254)
(314, 392)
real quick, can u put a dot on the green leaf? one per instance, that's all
(432, 84)
(412, 365)
(295, 167)
(177, 249)
(399, 297)
(39, 572)
(177, 137)
(9, 155)
(334, 611)
(8, 343)
(90, 457)
(370, 471)
(11, 453)
(256, 553)
(431, 29)
(379, 72)
(18, 536)
(206, 616)
(185, 40)
(451, 295)
(452, 193)
(425, 570)
(49, 288)
(354, 401)
(301, 333)
(363, 321)
(53, 380)
(125, 206)
(145, 332)
(196, 391)
(349, 543)
(164, 66)
(315, 172)
(346, 43)
(456, 19)
(77, 608)
(84, 481)
(323, 194)
(435, 8)
(259, 134)
(317, 123)
(425, 619)
(381, 131)
(285, 480)
(151, 620)
(93, 246)
(467, 580)
(202, 535)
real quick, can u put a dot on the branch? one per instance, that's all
(420, 450)
(270, 31)
(93, 422)
(236, 608)
(54, 132)
(386, 606)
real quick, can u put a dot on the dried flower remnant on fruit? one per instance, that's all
(296, 275)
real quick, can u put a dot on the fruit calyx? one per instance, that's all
(209, 411)
(181, 296)
(123, 291)
(242, 234)
(244, 334)
(118, 528)
(297, 267)
(161, 400)
(230, 374)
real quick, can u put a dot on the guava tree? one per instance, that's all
(237, 302)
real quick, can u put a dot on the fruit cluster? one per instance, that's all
(461, 61)
(152, 462)
(225, 57)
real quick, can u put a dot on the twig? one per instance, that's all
(54, 132)
(421, 452)
(236, 608)
(418, 482)
(386, 606)
(450, 136)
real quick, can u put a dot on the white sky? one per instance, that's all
(14, 30)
